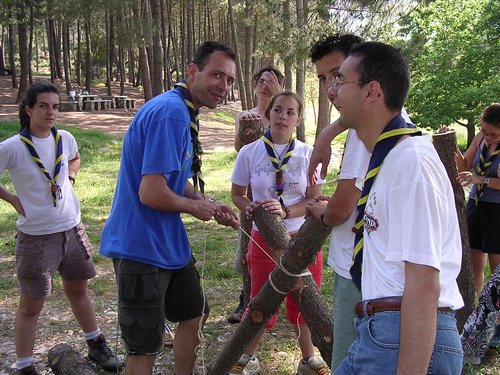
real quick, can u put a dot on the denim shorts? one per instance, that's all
(376, 348)
(148, 295)
(38, 257)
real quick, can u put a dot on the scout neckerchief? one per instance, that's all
(268, 142)
(55, 189)
(183, 89)
(390, 136)
(483, 167)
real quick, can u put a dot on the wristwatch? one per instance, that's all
(486, 180)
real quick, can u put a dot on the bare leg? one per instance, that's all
(185, 343)
(27, 315)
(305, 341)
(494, 260)
(82, 307)
(478, 259)
(140, 364)
(252, 346)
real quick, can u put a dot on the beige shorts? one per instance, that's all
(39, 257)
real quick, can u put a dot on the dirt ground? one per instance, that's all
(56, 324)
(214, 135)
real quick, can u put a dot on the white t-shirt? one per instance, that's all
(253, 167)
(33, 188)
(354, 166)
(410, 216)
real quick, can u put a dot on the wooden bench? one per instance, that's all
(68, 106)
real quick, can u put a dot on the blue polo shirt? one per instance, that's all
(158, 141)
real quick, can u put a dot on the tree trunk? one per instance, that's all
(248, 52)
(2, 49)
(471, 131)
(157, 80)
(57, 49)
(300, 252)
(323, 111)
(50, 46)
(65, 361)
(67, 70)
(78, 62)
(175, 48)
(88, 57)
(121, 62)
(30, 44)
(245, 103)
(131, 66)
(22, 30)
(189, 31)
(12, 56)
(110, 48)
(300, 72)
(165, 43)
(286, 58)
(446, 144)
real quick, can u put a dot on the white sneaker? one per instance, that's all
(246, 366)
(315, 366)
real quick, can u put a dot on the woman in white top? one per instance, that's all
(276, 167)
(43, 162)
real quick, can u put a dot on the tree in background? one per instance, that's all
(454, 53)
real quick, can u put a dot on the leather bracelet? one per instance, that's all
(72, 179)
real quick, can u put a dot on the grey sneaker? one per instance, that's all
(315, 366)
(100, 352)
(246, 366)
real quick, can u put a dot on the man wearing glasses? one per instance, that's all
(339, 211)
(408, 248)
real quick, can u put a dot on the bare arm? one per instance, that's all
(323, 150)
(418, 318)
(299, 209)
(339, 206)
(239, 196)
(155, 193)
(74, 165)
(464, 162)
(12, 199)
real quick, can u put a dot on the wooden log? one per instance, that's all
(250, 130)
(63, 360)
(246, 225)
(299, 253)
(446, 145)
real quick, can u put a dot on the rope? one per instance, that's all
(200, 348)
(279, 265)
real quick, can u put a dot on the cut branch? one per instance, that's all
(298, 254)
(446, 145)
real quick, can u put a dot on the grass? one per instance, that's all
(213, 247)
